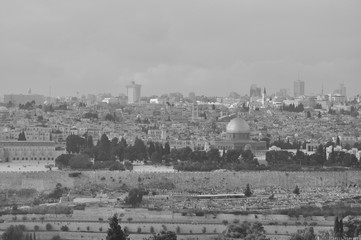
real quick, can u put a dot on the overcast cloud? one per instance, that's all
(209, 47)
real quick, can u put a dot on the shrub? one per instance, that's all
(100, 219)
(102, 178)
(87, 228)
(178, 229)
(235, 221)
(74, 174)
(48, 227)
(56, 237)
(129, 219)
(36, 228)
(151, 229)
(204, 230)
(296, 190)
(126, 230)
(225, 222)
(24, 218)
(100, 229)
(247, 191)
(81, 161)
(313, 224)
(139, 230)
(15, 218)
(64, 228)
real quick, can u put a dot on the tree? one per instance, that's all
(308, 114)
(13, 233)
(63, 160)
(352, 227)
(164, 235)
(245, 230)
(151, 148)
(22, 136)
(296, 190)
(109, 117)
(74, 143)
(103, 149)
(140, 149)
(166, 148)
(305, 234)
(247, 191)
(174, 154)
(338, 141)
(80, 162)
(156, 157)
(135, 196)
(115, 231)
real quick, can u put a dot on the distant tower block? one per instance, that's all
(195, 112)
(133, 92)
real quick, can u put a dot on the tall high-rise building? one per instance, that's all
(133, 92)
(192, 97)
(299, 88)
(342, 90)
(255, 91)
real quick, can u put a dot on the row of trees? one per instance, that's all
(293, 108)
(110, 150)
(319, 158)
(207, 161)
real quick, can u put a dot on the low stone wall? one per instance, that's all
(184, 181)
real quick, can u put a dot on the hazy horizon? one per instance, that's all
(208, 47)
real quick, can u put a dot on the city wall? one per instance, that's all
(184, 181)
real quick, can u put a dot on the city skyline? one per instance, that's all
(211, 48)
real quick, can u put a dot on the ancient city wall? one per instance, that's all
(228, 180)
(38, 180)
(224, 181)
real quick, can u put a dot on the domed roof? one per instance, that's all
(238, 125)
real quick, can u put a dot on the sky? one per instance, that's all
(210, 47)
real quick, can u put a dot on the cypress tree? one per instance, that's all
(247, 191)
(340, 227)
(335, 226)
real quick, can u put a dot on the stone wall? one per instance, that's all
(221, 181)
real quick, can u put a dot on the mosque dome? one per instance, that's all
(238, 125)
